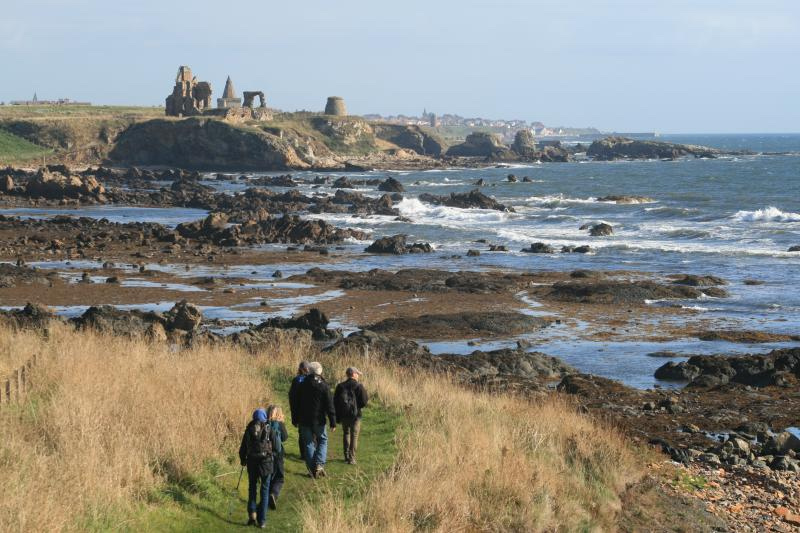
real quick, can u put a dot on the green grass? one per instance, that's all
(207, 501)
(17, 149)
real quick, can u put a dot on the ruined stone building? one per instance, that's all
(229, 99)
(189, 96)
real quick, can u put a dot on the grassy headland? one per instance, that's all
(124, 434)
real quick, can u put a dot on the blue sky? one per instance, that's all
(670, 66)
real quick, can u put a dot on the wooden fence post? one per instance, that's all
(17, 383)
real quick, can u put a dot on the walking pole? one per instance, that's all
(235, 492)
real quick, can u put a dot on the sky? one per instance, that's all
(629, 66)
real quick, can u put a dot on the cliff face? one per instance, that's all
(203, 144)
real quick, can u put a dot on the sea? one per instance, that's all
(734, 217)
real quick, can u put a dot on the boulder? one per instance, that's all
(466, 200)
(794, 248)
(183, 316)
(698, 281)
(32, 316)
(672, 371)
(391, 185)
(396, 244)
(479, 144)
(108, 319)
(524, 143)
(539, 248)
(626, 199)
(53, 186)
(313, 320)
(601, 230)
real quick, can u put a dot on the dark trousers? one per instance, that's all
(350, 431)
(278, 475)
(255, 481)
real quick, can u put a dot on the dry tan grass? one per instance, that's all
(480, 462)
(15, 351)
(109, 419)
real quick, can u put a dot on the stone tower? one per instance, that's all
(335, 106)
(229, 98)
(189, 96)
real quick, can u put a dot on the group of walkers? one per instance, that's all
(313, 411)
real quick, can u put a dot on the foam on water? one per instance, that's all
(767, 214)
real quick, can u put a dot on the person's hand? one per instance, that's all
(333, 428)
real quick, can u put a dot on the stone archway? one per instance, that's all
(250, 96)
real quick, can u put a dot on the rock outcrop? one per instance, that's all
(468, 324)
(524, 143)
(466, 200)
(779, 367)
(397, 245)
(479, 144)
(612, 148)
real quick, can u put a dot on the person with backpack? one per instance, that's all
(294, 409)
(256, 453)
(314, 405)
(276, 423)
(350, 397)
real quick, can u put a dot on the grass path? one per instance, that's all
(207, 502)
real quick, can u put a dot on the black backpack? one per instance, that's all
(259, 443)
(348, 406)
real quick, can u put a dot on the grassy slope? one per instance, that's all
(15, 149)
(208, 503)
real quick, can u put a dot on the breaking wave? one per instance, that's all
(768, 214)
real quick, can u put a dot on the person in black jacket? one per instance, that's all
(256, 452)
(350, 397)
(314, 405)
(294, 392)
(276, 422)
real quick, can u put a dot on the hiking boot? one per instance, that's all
(319, 472)
(352, 461)
(263, 525)
(273, 502)
(252, 520)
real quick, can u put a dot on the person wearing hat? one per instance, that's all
(294, 403)
(259, 443)
(315, 405)
(349, 398)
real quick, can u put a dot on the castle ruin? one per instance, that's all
(189, 97)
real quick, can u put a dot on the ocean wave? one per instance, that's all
(422, 213)
(556, 200)
(768, 214)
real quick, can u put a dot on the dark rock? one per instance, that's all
(611, 148)
(32, 316)
(583, 249)
(391, 185)
(745, 336)
(601, 230)
(473, 253)
(183, 316)
(539, 248)
(314, 320)
(511, 178)
(277, 274)
(497, 248)
(672, 371)
(467, 324)
(396, 244)
(467, 200)
(618, 292)
(699, 281)
(779, 367)
(626, 199)
(794, 248)
(109, 319)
